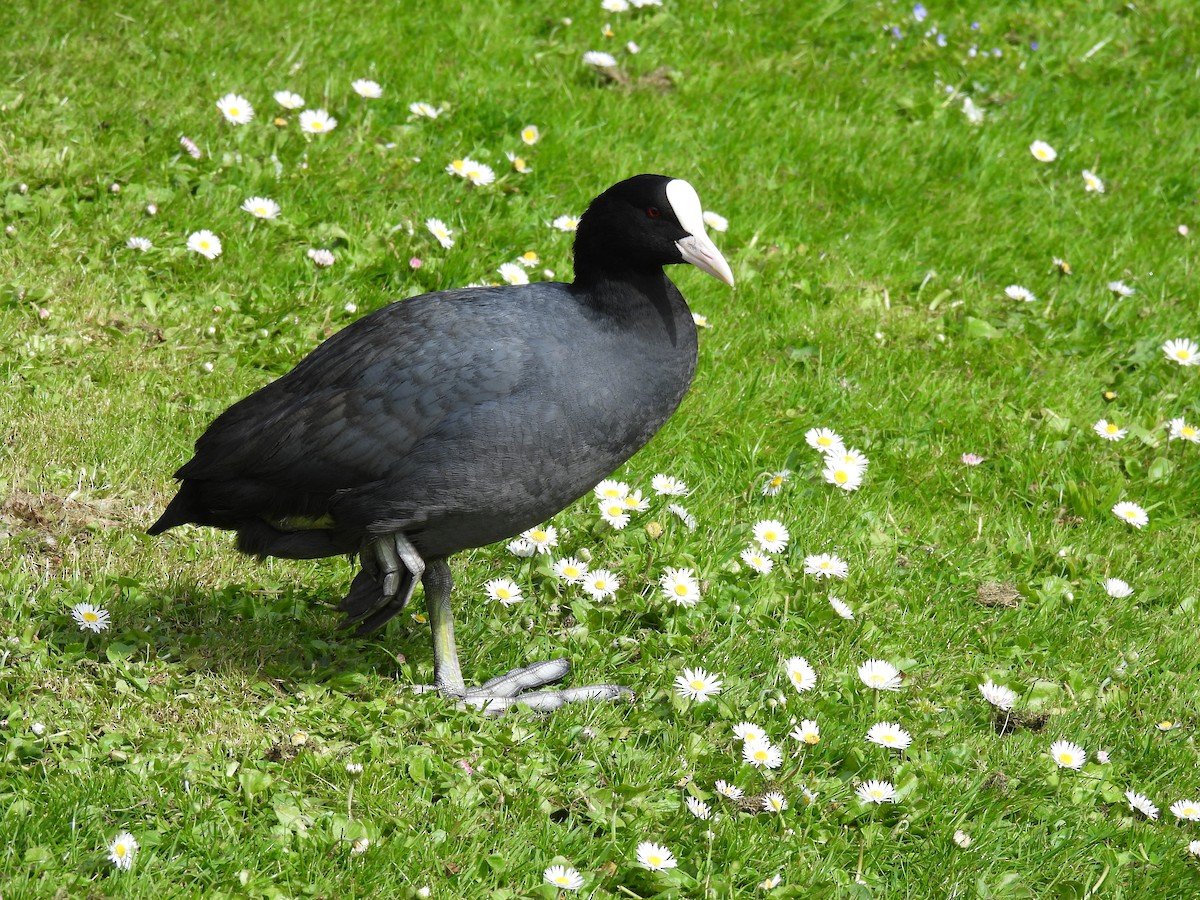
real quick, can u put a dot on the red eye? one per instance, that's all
(652, 212)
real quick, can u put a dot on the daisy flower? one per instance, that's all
(123, 850)
(289, 99)
(261, 208)
(1043, 152)
(748, 731)
(142, 244)
(826, 565)
(513, 274)
(205, 243)
(1062, 265)
(800, 673)
(316, 121)
(530, 134)
(634, 502)
(1186, 810)
(841, 608)
(613, 512)
(600, 583)
(1131, 513)
(849, 457)
(998, 695)
(699, 808)
(698, 685)
(438, 229)
(890, 735)
(668, 486)
(477, 173)
(1110, 431)
(680, 586)
(529, 259)
(754, 558)
(700, 321)
(235, 109)
(190, 146)
(1116, 588)
(714, 221)
(609, 489)
(762, 755)
(507, 592)
(519, 163)
(771, 535)
(1016, 292)
(364, 87)
(544, 538)
(424, 110)
(824, 440)
(848, 478)
(563, 878)
(1092, 182)
(566, 223)
(962, 839)
(774, 802)
(89, 617)
(599, 59)
(522, 547)
(570, 569)
(879, 675)
(971, 459)
(1183, 351)
(1121, 289)
(655, 857)
(689, 521)
(1181, 430)
(807, 732)
(615, 5)
(973, 112)
(1141, 803)
(1194, 848)
(774, 482)
(876, 792)
(1068, 755)
(731, 791)
(321, 257)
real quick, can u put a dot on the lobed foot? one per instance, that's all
(519, 686)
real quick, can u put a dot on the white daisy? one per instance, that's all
(477, 173)
(522, 547)
(668, 486)
(700, 321)
(848, 478)
(613, 512)
(680, 586)
(544, 538)
(699, 808)
(599, 59)
(617, 6)
(530, 134)
(774, 482)
(193, 150)
(1131, 513)
(261, 208)
(655, 857)
(123, 850)
(563, 878)
(1110, 431)
(1068, 755)
(566, 223)
(774, 801)
(1141, 803)
(529, 259)
(826, 565)
(600, 583)
(1016, 292)
(876, 792)
(235, 109)
(1121, 289)
(289, 99)
(1043, 152)
(807, 732)
(890, 735)
(800, 673)
(635, 502)
(825, 440)
(89, 617)
(1092, 182)
(321, 257)
(748, 731)
(841, 608)
(698, 685)
(688, 520)
(570, 569)
(731, 791)
(880, 675)
(439, 230)
(513, 274)
(205, 243)
(849, 457)
(1186, 810)
(424, 110)
(998, 695)
(762, 755)
(973, 112)
(714, 221)
(519, 163)
(610, 489)
(962, 838)
(506, 591)
(1181, 430)
(1183, 351)
(1194, 847)
(316, 121)
(364, 87)
(754, 558)
(771, 535)
(1116, 588)
(142, 244)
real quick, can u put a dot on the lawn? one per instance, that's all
(915, 272)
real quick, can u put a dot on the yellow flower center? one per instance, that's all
(824, 442)
(811, 738)
(1066, 758)
(697, 684)
(889, 739)
(681, 589)
(1131, 513)
(503, 593)
(1111, 428)
(561, 879)
(537, 536)
(654, 859)
(120, 850)
(90, 616)
(776, 481)
(571, 571)
(1183, 354)
(841, 476)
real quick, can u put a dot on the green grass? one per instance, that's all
(872, 232)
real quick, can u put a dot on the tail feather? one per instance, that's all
(184, 507)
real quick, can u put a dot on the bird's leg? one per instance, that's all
(501, 692)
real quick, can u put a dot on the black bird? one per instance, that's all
(461, 418)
